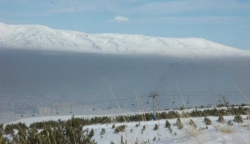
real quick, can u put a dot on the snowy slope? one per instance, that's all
(212, 135)
(44, 38)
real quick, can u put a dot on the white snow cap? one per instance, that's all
(39, 37)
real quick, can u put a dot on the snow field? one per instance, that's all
(237, 133)
(203, 134)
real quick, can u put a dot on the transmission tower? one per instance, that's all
(154, 95)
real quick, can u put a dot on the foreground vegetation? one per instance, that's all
(71, 131)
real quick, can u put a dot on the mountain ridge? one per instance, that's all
(39, 37)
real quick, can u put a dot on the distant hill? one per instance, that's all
(37, 37)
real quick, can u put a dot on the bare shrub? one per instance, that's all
(238, 119)
(179, 123)
(120, 128)
(221, 119)
(156, 127)
(207, 121)
(224, 129)
(191, 122)
(191, 131)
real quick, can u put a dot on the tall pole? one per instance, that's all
(154, 95)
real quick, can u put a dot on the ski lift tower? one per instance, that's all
(154, 95)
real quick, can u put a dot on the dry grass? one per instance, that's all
(224, 129)
(191, 131)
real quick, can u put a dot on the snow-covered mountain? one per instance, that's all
(39, 37)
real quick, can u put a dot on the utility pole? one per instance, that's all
(154, 95)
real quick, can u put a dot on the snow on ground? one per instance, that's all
(211, 135)
(235, 134)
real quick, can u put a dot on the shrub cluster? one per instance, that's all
(238, 118)
(156, 127)
(191, 122)
(167, 124)
(179, 123)
(221, 119)
(69, 131)
(207, 121)
(120, 128)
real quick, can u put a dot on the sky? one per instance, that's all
(223, 21)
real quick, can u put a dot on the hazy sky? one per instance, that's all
(223, 21)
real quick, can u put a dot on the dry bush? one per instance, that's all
(224, 129)
(207, 121)
(120, 128)
(167, 124)
(238, 119)
(156, 127)
(179, 123)
(191, 131)
(221, 119)
(191, 122)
